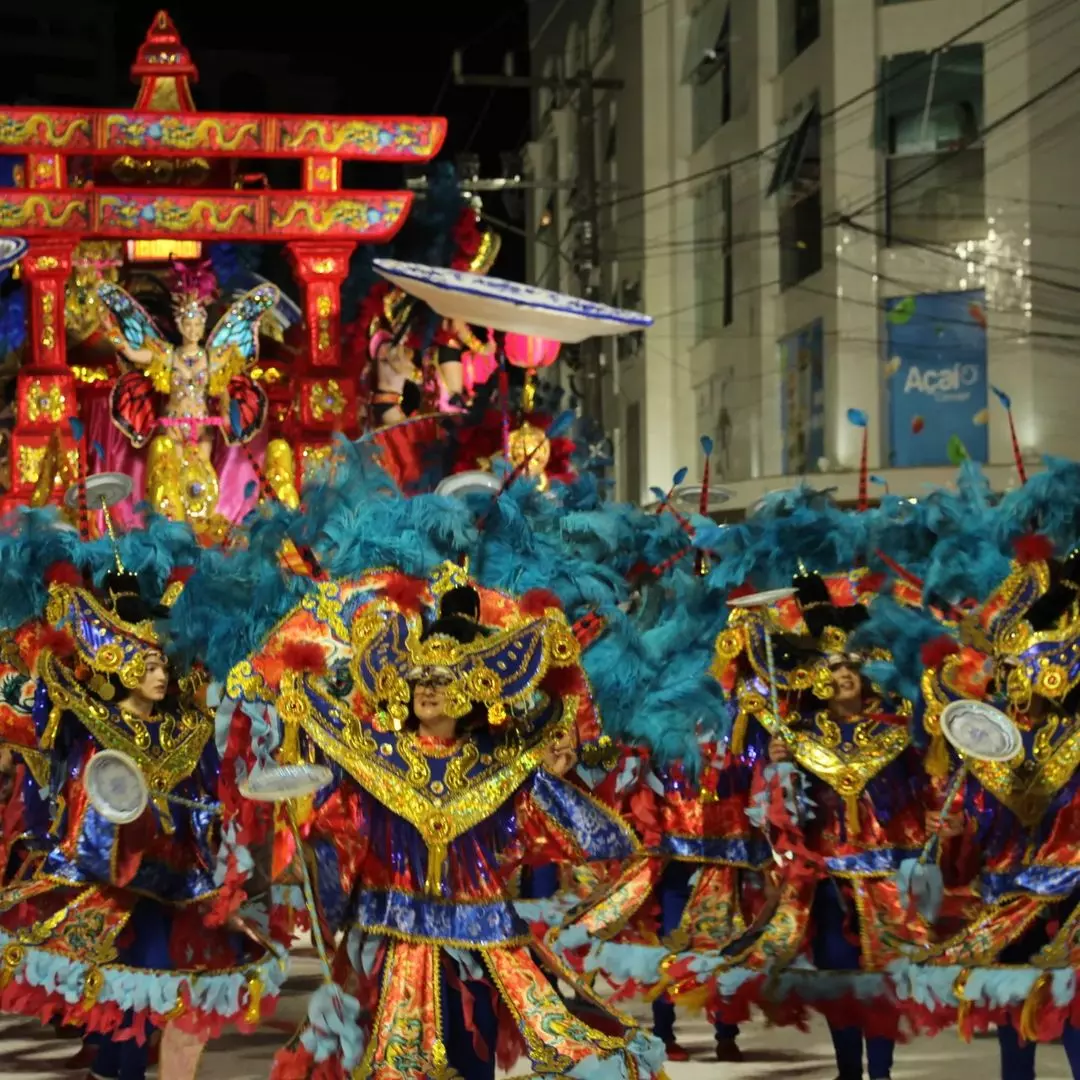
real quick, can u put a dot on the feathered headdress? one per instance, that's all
(192, 287)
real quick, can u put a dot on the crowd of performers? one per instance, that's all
(569, 762)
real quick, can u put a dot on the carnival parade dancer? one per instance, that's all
(448, 739)
(1012, 963)
(117, 944)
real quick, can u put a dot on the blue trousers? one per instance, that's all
(674, 893)
(1018, 1061)
(149, 948)
(540, 882)
(458, 1038)
(834, 952)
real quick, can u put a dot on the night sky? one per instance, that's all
(389, 58)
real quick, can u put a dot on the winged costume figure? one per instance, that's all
(203, 386)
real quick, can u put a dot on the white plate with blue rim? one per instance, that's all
(12, 249)
(509, 305)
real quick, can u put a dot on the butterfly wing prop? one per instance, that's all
(127, 322)
(134, 407)
(233, 346)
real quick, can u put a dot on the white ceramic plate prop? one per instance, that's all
(115, 787)
(109, 488)
(978, 730)
(509, 305)
(761, 599)
(12, 249)
(688, 497)
(278, 783)
(474, 482)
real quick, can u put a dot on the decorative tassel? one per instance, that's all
(738, 735)
(254, 1007)
(1036, 1002)
(859, 419)
(1006, 401)
(963, 1011)
(851, 816)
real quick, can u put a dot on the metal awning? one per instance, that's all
(793, 152)
(708, 46)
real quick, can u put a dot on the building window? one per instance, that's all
(802, 399)
(796, 182)
(799, 22)
(709, 70)
(930, 118)
(714, 297)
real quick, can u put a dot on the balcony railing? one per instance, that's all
(936, 198)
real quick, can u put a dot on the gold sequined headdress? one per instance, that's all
(500, 670)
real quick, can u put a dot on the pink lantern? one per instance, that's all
(530, 353)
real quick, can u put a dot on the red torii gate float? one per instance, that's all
(58, 207)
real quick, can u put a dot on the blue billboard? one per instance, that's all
(935, 367)
(802, 399)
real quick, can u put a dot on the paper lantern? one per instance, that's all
(530, 352)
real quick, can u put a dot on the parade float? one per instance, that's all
(122, 210)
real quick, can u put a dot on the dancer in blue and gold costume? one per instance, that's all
(108, 933)
(450, 740)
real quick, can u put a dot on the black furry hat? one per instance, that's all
(126, 599)
(459, 616)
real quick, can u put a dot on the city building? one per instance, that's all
(824, 210)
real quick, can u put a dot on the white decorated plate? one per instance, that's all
(761, 599)
(688, 497)
(115, 787)
(278, 783)
(109, 488)
(12, 249)
(474, 482)
(509, 305)
(978, 730)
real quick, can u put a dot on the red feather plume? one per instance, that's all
(63, 573)
(1032, 548)
(181, 574)
(537, 601)
(58, 642)
(406, 592)
(935, 651)
(304, 656)
(870, 583)
(746, 589)
(560, 682)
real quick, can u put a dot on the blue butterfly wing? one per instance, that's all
(130, 317)
(238, 331)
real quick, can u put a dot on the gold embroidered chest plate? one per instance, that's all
(1028, 783)
(846, 765)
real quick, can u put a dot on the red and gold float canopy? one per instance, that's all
(165, 127)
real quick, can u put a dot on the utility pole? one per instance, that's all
(587, 204)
